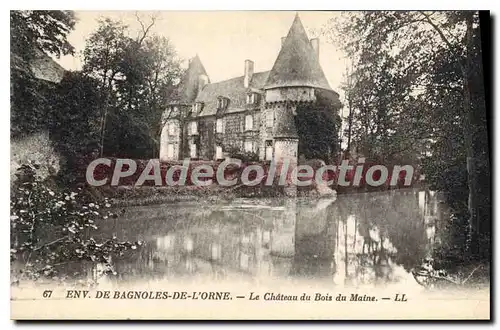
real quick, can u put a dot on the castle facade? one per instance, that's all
(252, 114)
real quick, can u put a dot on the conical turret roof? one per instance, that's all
(297, 63)
(189, 86)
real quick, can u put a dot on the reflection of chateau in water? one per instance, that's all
(357, 239)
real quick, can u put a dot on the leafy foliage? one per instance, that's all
(44, 30)
(51, 229)
(30, 103)
(32, 34)
(74, 123)
(136, 78)
(416, 93)
(244, 156)
(318, 130)
(113, 107)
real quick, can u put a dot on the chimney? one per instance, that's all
(248, 73)
(315, 46)
(283, 41)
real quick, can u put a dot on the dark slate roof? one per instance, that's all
(187, 89)
(297, 63)
(233, 89)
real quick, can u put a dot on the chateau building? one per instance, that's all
(254, 113)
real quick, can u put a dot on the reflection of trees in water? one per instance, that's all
(378, 232)
(219, 244)
(359, 238)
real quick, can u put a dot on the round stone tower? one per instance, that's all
(295, 76)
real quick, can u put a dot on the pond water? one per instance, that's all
(356, 239)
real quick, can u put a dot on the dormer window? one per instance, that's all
(222, 103)
(251, 98)
(197, 107)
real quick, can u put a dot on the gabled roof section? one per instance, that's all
(233, 89)
(297, 63)
(187, 90)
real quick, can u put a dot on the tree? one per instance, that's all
(51, 226)
(103, 54)
(415, 76)
(45, 30)
(154, 71)
(318, 129)
(34, 33)
(75, 123)
(137, 76)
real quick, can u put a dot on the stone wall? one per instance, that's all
(234, 133)
(233, 129)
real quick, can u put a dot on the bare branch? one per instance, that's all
(441, 34)
(470, 275)
(145, 29)
(50, 243)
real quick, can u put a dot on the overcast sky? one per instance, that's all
(222, 39)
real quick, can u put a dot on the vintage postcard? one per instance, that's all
(249, 165)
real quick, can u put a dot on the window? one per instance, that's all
(194, 127)
(219, 127)
(197, 107)
(269, 150)
(170, 151)
(221, 103)
(218, 152)
(248, 146)
(269, 118)
(193, 150)
(251, 98)
(248, 122)
(171, 129)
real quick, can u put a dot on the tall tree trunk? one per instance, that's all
(104, 115)
(470, 128)
(478, 163)
(472, 125)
